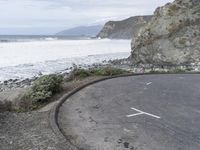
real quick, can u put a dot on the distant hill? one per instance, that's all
(89, 31)
(124, 29)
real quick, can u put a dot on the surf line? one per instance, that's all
(142, 113)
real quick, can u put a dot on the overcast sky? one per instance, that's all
(51, 16)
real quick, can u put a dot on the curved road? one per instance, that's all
(149, 112)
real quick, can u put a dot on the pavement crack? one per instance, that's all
(92, 120)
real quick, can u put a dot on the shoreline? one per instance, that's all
(14, 83)
(11, 90)
(117, 63)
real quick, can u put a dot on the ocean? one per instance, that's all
(29, 38)
(28, 56)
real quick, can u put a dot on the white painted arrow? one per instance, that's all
(142, 113)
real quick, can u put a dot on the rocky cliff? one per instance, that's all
(171, 37)
(124, 29)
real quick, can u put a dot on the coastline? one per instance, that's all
(12, 89)
(26, 82)
(125, 63)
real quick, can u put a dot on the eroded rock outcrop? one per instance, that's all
(171, 37)
(124, 29)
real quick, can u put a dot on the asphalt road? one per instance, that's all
(154, 112)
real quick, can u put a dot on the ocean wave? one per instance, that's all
(24, 71)
(51, 38)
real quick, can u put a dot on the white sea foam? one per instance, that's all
(27, 59)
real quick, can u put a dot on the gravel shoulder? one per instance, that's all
(32, 130)
(27, 131)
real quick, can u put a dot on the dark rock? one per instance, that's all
(10, 80)
(126, 145)
(15, 80)
(5, 82)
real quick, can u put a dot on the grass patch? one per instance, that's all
(82, 73)
(109, 71)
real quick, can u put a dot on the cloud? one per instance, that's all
(62, 14)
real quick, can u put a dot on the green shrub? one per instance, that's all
(108, 71)
(158, 71)
(82, 73)
(179, 70)
(189, 69)
(101, 71)
(40, 92)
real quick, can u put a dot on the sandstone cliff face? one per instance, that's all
(171, 37)
(124, 29)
